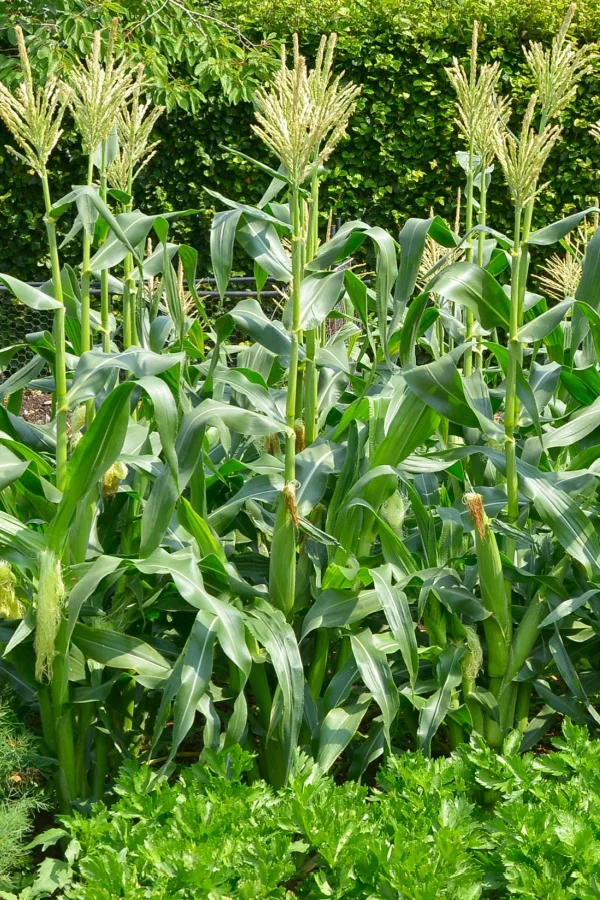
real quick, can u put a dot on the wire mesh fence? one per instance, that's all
(17, 321)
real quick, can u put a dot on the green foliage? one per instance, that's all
(399, 159)
(211, 834)
(19, 793)
(428, 830)
(192, 60)
(545, 830)
(354, 533)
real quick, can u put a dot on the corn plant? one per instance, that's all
(387, 543)
(334, 538)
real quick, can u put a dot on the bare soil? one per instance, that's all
(36, 408)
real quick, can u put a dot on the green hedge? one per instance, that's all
(477, 825)
(398, 159)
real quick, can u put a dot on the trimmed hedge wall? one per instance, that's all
(398, 159)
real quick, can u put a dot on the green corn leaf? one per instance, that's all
(198, 527)
(314, 466)
(11, 467)
(98, 570)
(565, 666)
(434, 711)
(30, 296)
(588, 290)
(338, 728)
(567, 608)
(95, 367)
(251, 386)
(343, 244)
(122, 651)
(14, 534)
(222, 239)
(581, 423)
(413, 236)
(552, 233)
(165, 413)
(252, 212)
(358, 294)
(249, 316)
(439, 384)
(94, 454)
(412, 424)
(475, 288)
(275, 634)
(318, 296)
(411, 329)
(397, 612)
(188, 682)
(338, 689)
(376, 673)
(184, 570)
(262, 244)
(129, 231)
(370, 750)
(334, 609)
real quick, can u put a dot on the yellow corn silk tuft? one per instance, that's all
(112, 478)
(10, 605)
(393, 511)
(472, 661)
(289, 494)
(300, 436)
(77, 422)
(269, 443)
(273, 444)
(474, 503)
(49, 609)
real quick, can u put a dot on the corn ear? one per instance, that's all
(49, 609)
(498, 626)
(282, 570)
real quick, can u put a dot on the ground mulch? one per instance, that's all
(37, 407)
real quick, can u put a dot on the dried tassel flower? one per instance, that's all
(478, 108)
(49, 609)
(98, 91)
(134, 123)
(562, 274)
(33, 116)
(303, 115)
(522, 159)
(435, 257)
(558, 70)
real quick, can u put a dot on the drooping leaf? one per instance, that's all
(475, 288)
(397, 612)
(338, 729)
(277, 636)
(376, 673)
